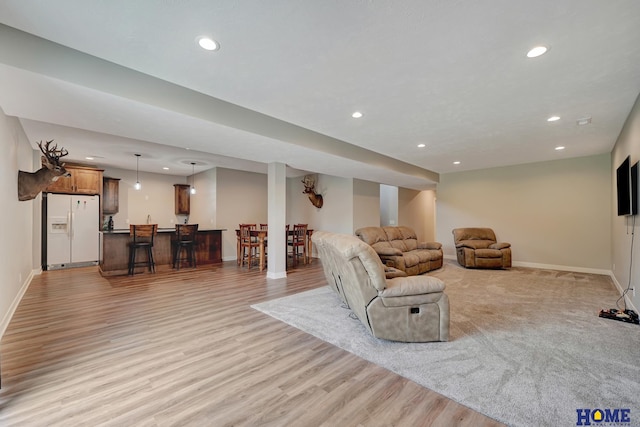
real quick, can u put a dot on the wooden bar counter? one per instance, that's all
(115, 250)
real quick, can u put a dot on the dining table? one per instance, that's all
(262, 234)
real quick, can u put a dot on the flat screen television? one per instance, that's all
(627, 187)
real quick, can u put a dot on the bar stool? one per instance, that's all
(185, 240)
(142, 238)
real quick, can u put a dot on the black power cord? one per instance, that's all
(622, 297)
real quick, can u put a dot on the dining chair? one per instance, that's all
(142, 238)
(248, 244)
(298, 243)
(265, 227)
(185, 240)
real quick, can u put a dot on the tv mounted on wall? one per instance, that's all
(627, 187)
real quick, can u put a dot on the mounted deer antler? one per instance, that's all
(32, 183)
(309, 188)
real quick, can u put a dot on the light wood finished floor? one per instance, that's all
(185, 349)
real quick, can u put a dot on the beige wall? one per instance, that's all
(416, 209)
(204, 202)
(555, 214)
(241, 197)
(336, 214)
(17, 260)
(623, 228)
(156, 198)
(366, 204)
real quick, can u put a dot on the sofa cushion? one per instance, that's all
(422, 254)
(411, 259)
(488, 253)
(395, 238)
(430, 245)
(372, 235)
(471, 233)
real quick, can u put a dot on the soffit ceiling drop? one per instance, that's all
(288, 75)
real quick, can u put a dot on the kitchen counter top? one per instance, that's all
(160, 230)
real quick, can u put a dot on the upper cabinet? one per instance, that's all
(110, 196)
(183, 199)
(83, 180)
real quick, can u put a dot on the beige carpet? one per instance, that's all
(527, 347)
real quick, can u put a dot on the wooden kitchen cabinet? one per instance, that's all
(183, 199)
(83, 180)
(110, 196)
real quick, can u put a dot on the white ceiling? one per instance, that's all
(451, 74)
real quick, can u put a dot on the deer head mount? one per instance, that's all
(30, 184)
(309, 189)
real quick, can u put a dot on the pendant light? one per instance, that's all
(193, 178)
(137, 186)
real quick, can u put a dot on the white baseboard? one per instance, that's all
(14, 305)
(280, 275)
(561, 268)
(569, 268)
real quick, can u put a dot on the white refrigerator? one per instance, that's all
(73, 237)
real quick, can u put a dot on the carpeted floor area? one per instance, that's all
(527, 346)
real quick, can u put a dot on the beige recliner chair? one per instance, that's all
(409, 309)
(478, 248)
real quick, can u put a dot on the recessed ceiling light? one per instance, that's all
(553, 119)
(357, 115)
(537, 51)
(583, 121)
(208, 43)
(422, 145)
(559, 148)
(89, 158)
(165, 168)
(457, 162)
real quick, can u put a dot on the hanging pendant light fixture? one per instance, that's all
(193, 178)
(137, 186)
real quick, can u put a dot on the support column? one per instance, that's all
(277, 217)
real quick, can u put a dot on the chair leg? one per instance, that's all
(132, 260)
(152, 263)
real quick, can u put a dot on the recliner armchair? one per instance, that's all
(478, 248)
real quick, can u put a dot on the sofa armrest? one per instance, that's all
(412, 285)
(391, 272)
(502, 245)
(388, 251)
(429, 245)
(474, 244)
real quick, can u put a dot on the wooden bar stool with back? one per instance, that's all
(185, 240)
(142, 238)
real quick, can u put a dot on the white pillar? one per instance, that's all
(277, 217)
